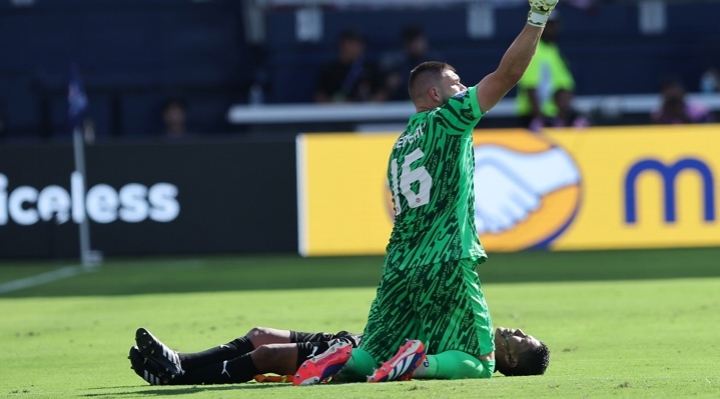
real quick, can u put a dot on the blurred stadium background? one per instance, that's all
(135, 54)
(245, 182)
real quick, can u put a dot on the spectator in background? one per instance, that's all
(351, 77)
(567, 115)
(396, 66)
(174, 115)
(675, 108)
(548, 72)
(710, 79)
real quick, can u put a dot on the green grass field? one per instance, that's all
(618, 323)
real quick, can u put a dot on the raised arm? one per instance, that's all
(496, 85)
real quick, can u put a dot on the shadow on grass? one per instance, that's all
(165, 391)
(233, 273)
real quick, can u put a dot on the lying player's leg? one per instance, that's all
(254, 338)
(159, 358)
(150, 346)
(308, 345)
(355, 364)
(213, 366)
(271, 358)
(146, 369)
(282, 359)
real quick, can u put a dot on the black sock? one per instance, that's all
(218, 354)
(241, 369)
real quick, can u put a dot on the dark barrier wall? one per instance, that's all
(159, 198)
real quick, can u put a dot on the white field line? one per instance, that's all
(63, 272)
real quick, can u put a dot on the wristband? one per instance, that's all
(537, 19)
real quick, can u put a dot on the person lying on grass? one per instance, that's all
(281, 352)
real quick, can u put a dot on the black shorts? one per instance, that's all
(311, 344)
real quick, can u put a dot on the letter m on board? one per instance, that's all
(668, 174)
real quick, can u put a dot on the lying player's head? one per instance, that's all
(433, 83)
(517, 353)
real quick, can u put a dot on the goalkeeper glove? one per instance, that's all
(540, 12)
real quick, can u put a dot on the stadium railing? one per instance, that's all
(615, 105)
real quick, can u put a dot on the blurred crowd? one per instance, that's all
(545, 95)
(359, 71)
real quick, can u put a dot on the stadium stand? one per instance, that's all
(135, 54)
(132, 55)
(606, 51)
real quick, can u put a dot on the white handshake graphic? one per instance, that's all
(510, 185)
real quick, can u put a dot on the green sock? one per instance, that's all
(453, 365)
(360, 365)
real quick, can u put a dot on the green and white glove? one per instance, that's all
(540, 12)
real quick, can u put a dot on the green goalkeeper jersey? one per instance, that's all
(430, 175)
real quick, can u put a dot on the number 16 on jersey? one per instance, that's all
(403, 184)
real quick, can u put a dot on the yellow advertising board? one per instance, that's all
(599, 188)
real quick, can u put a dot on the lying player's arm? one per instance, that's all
(496, 85)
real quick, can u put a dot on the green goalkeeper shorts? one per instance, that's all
(441, 304)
